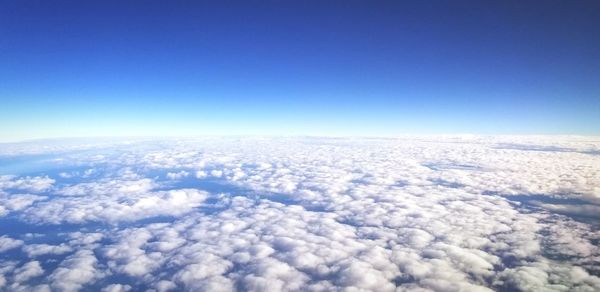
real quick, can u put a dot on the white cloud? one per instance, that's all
(216, 173)
(75, 272)
(35, 250)
(164, 285)
(178, 175)
(114, 201)
(116, 288)
(7, 243)
(129, 258)
(201, 174)
(27, 271)
(17, 202)
(109, 187)
(81, 238)
(5, 268)
(428, 213)
(33, 184)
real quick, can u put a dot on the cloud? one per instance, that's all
(109, 187)
(35, 250)
(116, 288)
(586, 210)
(27, 271)
(5, 268)
(34, 184)
(114, 201)
(129, 258)
(201, 174)
(17, 202)
(312, 214)
(177, 175)
(7, 243)
(75, 271)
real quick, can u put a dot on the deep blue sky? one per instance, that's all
(87, 68)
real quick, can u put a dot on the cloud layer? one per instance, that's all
(312, 214)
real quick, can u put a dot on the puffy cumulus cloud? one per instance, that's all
(84, 238)
(455, 213)
(116, 288)
(201, 174)
(7, 243)
(164, 285)
(129, 258)
(573, 240)
(109, 187)
(206, 249)
(33, 184)
(35, 250)
(20, 201)
(27, 271)
(552, 276)
(16, 202)
(586, 210)
(75, 272)
(114, 201)
(177, 175)
(83, 174)
(5, 268)
(270, 246)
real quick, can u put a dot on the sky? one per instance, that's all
(365, 68)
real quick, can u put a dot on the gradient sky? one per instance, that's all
(111, 68)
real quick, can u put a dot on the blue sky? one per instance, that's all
(111, 68)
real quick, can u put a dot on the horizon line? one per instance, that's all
(403, 135)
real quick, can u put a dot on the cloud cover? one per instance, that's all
(462, 213)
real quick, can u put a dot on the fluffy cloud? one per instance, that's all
(116, 288)
(114, 201)
(177, 175)
(27, 271)
(462, 213)
(7, 243)
(75, 271)
(35, 250)
(17, 202)
(34, 184)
